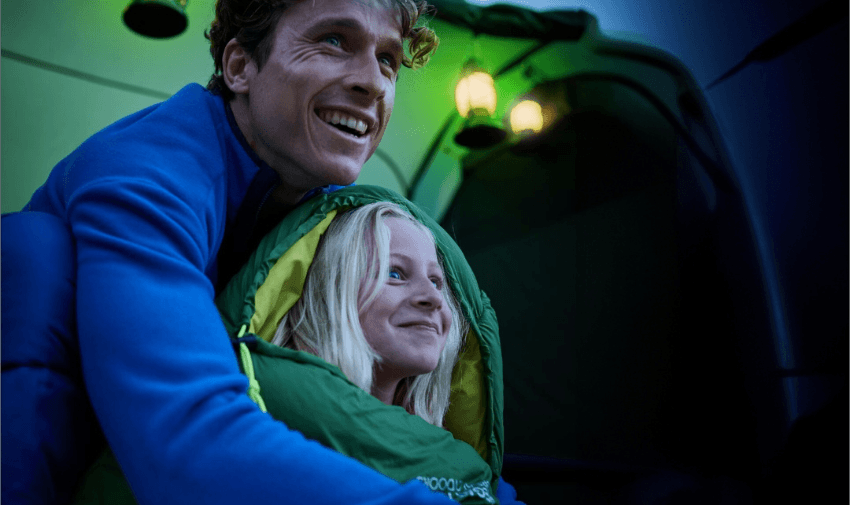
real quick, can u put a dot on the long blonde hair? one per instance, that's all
(325, 320)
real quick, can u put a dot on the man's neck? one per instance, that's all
(279, 204)
(284, 198)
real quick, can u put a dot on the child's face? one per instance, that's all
(408, 322)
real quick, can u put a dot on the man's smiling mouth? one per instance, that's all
(343, 122)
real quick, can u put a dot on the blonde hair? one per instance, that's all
(325, 321)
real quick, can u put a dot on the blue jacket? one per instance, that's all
(149, 202)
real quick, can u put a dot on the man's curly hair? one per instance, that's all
(252, 23)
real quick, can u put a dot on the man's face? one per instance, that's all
(319, 106)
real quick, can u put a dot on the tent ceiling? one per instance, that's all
(54, 113)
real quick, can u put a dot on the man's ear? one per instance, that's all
(237, 68)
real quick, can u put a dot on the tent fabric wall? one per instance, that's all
(733, 367)
(618, 340)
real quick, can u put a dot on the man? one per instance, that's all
(163, 206)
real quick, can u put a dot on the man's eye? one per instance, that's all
(386, 60)
(333, 40)
(395, 274)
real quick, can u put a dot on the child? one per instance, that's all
(377, 305)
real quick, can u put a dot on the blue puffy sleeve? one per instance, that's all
(49, 433)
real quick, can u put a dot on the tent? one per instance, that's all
(668, 258)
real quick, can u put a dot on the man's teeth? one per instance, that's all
(344, 120)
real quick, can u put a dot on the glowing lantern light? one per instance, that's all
(475, 97)
(527, 115)
(477, 93)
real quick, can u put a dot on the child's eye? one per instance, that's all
(386, 60)
(395, 274)
(333, 40)
(437, 282)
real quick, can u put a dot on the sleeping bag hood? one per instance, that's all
(309, 395)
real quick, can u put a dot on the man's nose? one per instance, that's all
(367, 79)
